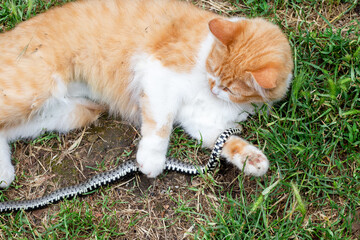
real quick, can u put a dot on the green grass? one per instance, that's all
(13, 12)
(312, 139)
(74, 220)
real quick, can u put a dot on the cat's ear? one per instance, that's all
(223, 30)
(266, 77)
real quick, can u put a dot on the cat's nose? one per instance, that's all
(215, 91)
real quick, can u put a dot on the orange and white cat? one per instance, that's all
(154, 62)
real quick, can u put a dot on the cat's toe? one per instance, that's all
(7, 175)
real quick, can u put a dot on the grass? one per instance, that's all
(312, 139)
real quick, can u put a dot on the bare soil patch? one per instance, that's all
(47, 165)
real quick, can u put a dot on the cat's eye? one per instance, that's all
(226, 89)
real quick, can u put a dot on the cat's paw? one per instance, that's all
(150, 163)
(256, 163)
(7, 175)
(245, 156)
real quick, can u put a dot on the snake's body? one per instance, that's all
(121, 171)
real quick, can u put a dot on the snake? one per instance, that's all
(124, 169)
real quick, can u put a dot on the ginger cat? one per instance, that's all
(154, 62)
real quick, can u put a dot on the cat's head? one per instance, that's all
(250, 61)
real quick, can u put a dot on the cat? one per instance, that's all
(156, 63)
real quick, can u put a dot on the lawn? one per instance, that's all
(312, 139)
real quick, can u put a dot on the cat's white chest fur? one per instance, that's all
(185, 96)
(204, 116)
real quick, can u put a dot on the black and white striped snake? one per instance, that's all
(121, 171)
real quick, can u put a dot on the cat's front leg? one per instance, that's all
(156, 125)
(245, 156)
(7, 171)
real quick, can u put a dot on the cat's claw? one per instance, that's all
(7, 175)
(256, 163)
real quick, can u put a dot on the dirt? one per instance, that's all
(47, 165)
